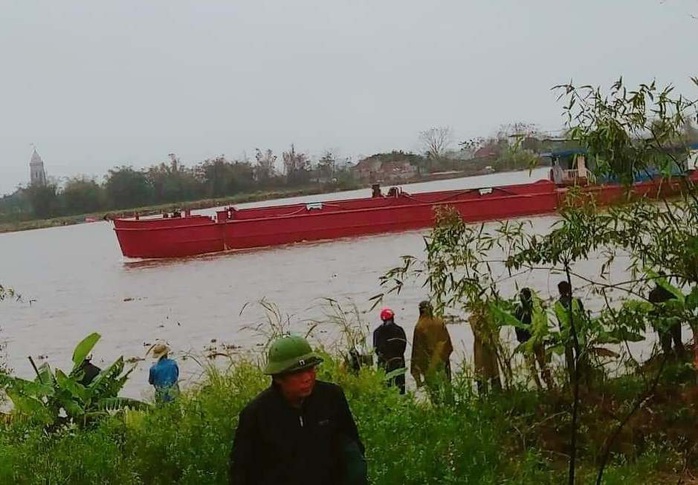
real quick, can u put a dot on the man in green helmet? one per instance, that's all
(299, 430)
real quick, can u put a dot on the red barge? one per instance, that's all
(231, 228)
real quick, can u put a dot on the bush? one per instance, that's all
(408, 439)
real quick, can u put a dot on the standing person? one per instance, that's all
(390, 342)
(564, 305)
(658, 296)
(431, 347)
(89, 371)
(558, 174)
(524, 314)
(164, 375)
(485, 344)
(299, 431)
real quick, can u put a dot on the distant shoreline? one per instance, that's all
(7, 227)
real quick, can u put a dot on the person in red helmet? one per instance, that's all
(390, 342)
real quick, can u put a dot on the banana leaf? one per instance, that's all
(32, 407)
(27, 388)
(45, 374)
(119, 403)
(72, 408)
(70, 385)
(83, 349)
(110, 381)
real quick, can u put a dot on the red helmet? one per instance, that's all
(387, 314)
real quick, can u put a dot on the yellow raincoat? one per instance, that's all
(431, 348)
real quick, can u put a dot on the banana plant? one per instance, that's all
(54, 398)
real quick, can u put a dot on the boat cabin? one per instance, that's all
(570, 167)
(575, 167)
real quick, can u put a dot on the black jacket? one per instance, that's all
(660, 295)
(523, 314)
(276, 444)
(390, 342)
(90, 372)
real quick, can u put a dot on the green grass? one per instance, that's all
(408, 440)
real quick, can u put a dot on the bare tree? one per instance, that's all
(436, 141)
(265, 164)
(518, 130)
(296, 165)
(327, 165)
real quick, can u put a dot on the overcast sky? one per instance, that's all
(97, 84)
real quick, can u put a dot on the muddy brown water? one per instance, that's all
(74, 281)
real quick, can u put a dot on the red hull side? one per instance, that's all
(276, 225)
(168, 238)
(399, 214)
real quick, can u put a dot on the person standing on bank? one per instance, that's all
(536, 356)
(658, 296)
(390, 342)
(299, 431)
(564, 306)
(431, 347)
(89, 371)
(164, 375)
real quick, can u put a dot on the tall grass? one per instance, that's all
(408, 440)
(515, 436)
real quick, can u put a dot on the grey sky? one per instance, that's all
(97, 84)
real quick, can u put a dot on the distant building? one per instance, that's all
(388, 168)
(396, 171)
(489, 151)
(368, 169)
(37, 174)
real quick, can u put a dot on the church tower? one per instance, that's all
(37, 175)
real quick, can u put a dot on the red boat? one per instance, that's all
(231, 228)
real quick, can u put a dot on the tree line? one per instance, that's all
(125, 187)
(514, 146)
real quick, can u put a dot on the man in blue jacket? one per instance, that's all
(164, 375)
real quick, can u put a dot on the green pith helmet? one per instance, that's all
(290, 353)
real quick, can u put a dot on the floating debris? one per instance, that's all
(453, 319)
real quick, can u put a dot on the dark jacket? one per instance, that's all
(90, 371)
(390, 342)
(276, 444)
(660, 295)
(523, 314)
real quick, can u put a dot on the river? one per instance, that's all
(74, 280)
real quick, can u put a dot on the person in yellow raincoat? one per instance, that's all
(485, 341)
(431, 348)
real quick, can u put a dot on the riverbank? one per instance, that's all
(515, 436)
(158, 209)
(242, 198)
